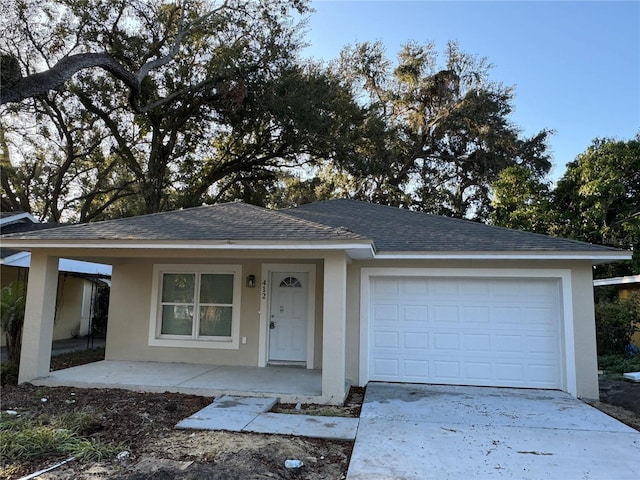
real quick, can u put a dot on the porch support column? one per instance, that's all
(334, 328)
(37, 333)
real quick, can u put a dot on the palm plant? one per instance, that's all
(12, 303)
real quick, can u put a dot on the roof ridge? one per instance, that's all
(304, 221)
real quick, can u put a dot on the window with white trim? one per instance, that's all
(196, 306)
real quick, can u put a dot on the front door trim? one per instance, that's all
(265, 307)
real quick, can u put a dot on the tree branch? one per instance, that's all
(40, 83)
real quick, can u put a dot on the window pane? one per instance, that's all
(178, 287)
(215, 321)
(177, 320)
(216, 288)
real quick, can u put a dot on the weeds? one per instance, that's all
(43, 437)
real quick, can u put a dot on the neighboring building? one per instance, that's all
(78, 281)
(363, 292)
(626, 286)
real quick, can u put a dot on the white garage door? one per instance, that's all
(466, 331)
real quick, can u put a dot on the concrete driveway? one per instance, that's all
(450, 432)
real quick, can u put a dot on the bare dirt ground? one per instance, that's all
(621, 400)
(143, 424)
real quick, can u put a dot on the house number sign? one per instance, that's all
(264, 290)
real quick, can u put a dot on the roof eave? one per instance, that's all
(595, 257)
(356, 249)
(17, 217)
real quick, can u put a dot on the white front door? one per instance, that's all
(288, 317)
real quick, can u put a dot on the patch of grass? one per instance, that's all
(618, 364)
(41, 438)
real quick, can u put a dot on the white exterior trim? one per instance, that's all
(154, 324)
(20, 259)
(628, 280)
(186, 245)
(17, 217)
(265, 305)
(23, 260)
(564, 275)
(623, 255)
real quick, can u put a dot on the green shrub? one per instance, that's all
(615, 324)
(12, 303)
(619, 364)
(8, 373)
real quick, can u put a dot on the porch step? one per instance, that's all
(229, 413)
(248, 414)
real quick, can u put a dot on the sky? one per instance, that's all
(575, 65)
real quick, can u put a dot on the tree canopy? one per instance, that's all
(219, 100)
(125, 107)
(437, 133)
(597, 200)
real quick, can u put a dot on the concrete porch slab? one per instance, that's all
(290, 385)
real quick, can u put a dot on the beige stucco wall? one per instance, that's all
(584, 328)
(72, 307)
(130, 313)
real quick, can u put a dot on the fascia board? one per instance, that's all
(490, 255)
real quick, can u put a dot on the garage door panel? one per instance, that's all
(476, 342)
(386, 367)
(415, 342)
(415, 287)
(386, 339)
(386, 287)
(506, 316)
(445, 288)
(541, 374)
(474, 289)
(445, 314)
(473, 315)
(415, 313)
(507, 344)
(509, 373)
(542, 317)
(385, 313)
(445, 342)
(416, 369)
(446, 371)
(478, 372)
(503, 332)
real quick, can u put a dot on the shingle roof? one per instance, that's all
(400, 230)
(222, 222)
(390, 229)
